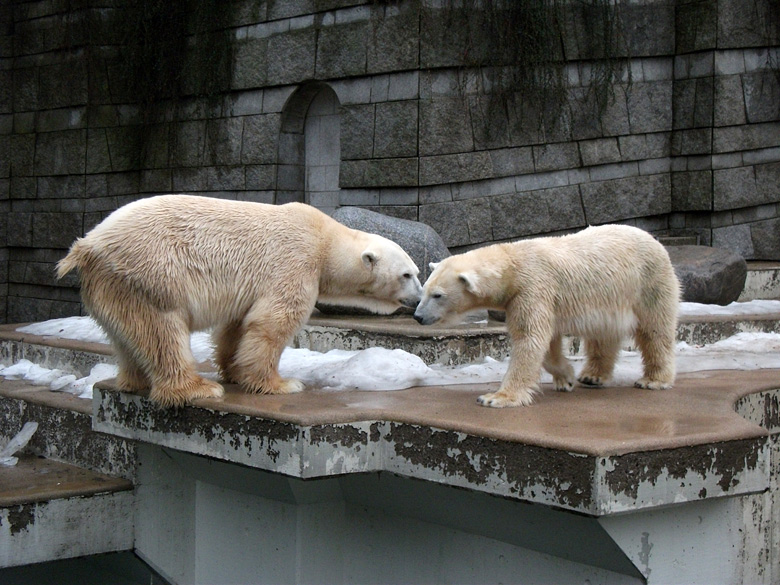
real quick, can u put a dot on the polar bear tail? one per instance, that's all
(71, 261)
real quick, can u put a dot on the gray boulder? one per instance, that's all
(708, 275)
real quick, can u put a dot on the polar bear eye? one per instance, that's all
(407, 275)
(437, 295)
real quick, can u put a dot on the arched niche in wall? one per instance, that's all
(310, 148)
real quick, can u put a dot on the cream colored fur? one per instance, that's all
(602, 284)
(160, 268)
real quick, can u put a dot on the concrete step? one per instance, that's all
(51, 510)
(71, 494)
(762, 282)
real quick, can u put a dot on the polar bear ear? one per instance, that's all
(369, 259)
(433, 265)
(471, 281)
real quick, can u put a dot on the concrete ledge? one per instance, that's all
(594, 451)
(51, 510)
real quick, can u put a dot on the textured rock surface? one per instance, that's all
(708, 275)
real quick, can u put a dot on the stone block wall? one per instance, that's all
(689, 144)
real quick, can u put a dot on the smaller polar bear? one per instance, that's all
(159, 268)
(601, 284)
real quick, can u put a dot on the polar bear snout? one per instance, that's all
(412, 291)
(424, 319)
(423, 315)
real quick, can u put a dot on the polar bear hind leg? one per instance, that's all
(152, 346)
(601, 355)
(656, 335)
(657, 349)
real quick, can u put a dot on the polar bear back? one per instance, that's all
(603, 276)
(213, 256)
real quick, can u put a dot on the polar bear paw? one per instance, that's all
(595, 381)
(563, 384)
(169, 396)
(652, 384)
(504, 399)
(289, 386)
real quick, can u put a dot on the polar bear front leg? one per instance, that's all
(558, 366)
(520, 383)
(266, 330)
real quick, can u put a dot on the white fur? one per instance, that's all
(602, 284)
(161, 267)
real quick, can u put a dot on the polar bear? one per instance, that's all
(601, 284)
(159, 268)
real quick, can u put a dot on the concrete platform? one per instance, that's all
(51, 510)
(594, 451)
(612, 485)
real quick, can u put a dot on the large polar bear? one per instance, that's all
(601, 283)
(160, 268)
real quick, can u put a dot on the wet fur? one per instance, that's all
(160, 268)
(602, 284)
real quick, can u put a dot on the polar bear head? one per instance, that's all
(380, 277)
(457, 285)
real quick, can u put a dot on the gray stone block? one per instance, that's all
(260, 139)
(490, 121)
(508, 162)
(224, 141)
(455, 168)
(357, 131)
(452, 221)
(188, 146)
(56, 230)
(189, 180)
(614, 119)
(389, 172)
(61, 187)
(445, 126)
(260, 177)
(768, 181)
(696, 25)
(225, 178)
(419, 240)
(734, 188)
(729, 102)
(395, 133)
(555, 157)
(599, 152)
(736, 238)
(20, 232)
(650, 107)
(250, 64)
(649, 28)
(291, 56)
(620, 199)
(708, 275)
(765, 238)
(521, 214)
(692, 191)
(394, 44)
(341, 50)
(61, 153)
(749, 137)
(762, 96)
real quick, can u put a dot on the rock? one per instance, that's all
(708, 275)
(419, 240)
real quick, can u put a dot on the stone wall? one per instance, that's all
(690, 144)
